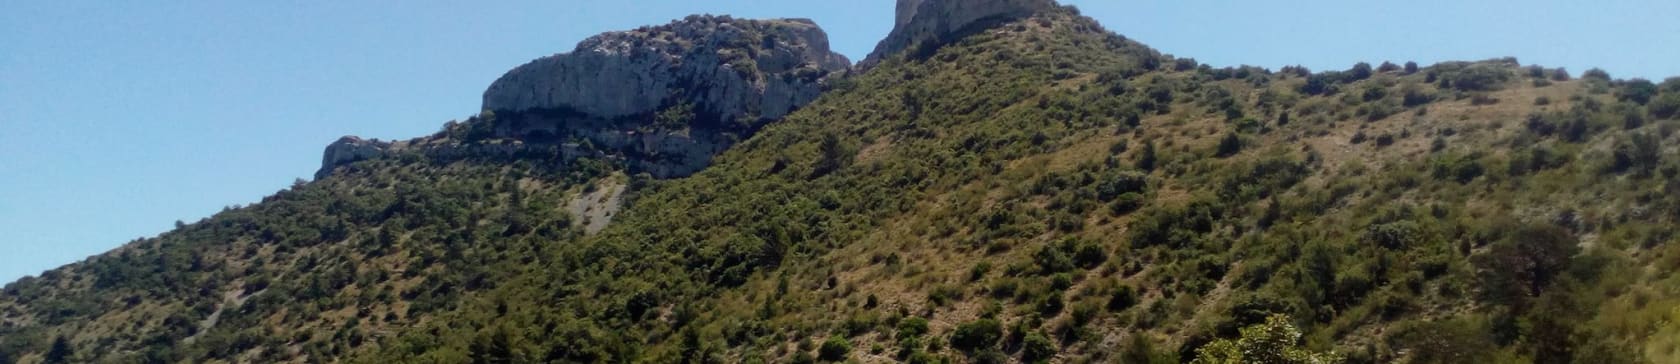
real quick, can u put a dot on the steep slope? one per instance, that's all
(392, 233)
(1045, 188)
(314, 272)
(662, 99)
(1041, 189)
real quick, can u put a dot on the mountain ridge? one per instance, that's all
(1038, 190)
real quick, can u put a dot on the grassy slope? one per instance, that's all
(987, 180)
(316, 271)
(1003, 178)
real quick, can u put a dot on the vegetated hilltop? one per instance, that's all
(1036, 190)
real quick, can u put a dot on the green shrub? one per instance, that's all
(1637, 90)
(1123, 297)
(1276, 341)
(1230, 145)
(836, 348)
(1666, 106)
(1412, 95)
(1089, 255)
(1051, 259)
(1061, 281)
(1478, 77)
(977, 335)
(1037, 348)
(912, 327)
(1115, 183)
(1596, 74)
(1360, 71)
(1640, 153)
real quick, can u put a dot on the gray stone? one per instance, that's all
(939, 21)
(728, 68)
(349, 149)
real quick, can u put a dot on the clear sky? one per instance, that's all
(118, 118)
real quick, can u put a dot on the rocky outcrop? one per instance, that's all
(727, 68)
(350, 149)
(934, 22)
(661, 100)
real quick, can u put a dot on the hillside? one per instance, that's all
(1029, 188)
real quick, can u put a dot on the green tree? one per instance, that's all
(498, 345)
(1523, 265)
(1276, 341)
(833, 155)
(1147, 158)
(60, 352)
(1640, 153)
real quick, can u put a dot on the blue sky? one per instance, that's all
(118, 118)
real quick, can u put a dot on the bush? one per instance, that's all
(1388, 67)
(1037, 348)
(1089, 255)
(1116, 183)
(1479, 77)
(1126, 203)
(1123, 297)
(1359, 71)
(1666, 106)
(1560, 75)
(1596, 74)
(1318, 84)
(1275, 341)
(912, 327)
(1640, 153)
(1413, 95)
(976, 335)
(836, 348)
(1638, 90)
(1052, 260)
(1230, 145)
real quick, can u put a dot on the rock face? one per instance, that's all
(727, 68)
(661, 100)
(349, 149)
(941, 21)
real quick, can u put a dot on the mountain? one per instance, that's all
(990, 187)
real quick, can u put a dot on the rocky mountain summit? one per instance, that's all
(661, 99)
(728, 68)
(664, 99)
(933, 22)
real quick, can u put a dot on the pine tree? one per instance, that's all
(60, 351)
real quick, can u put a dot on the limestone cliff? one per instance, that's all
(349, 149)
(933, 22)
(661, 100)
(727, 68)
